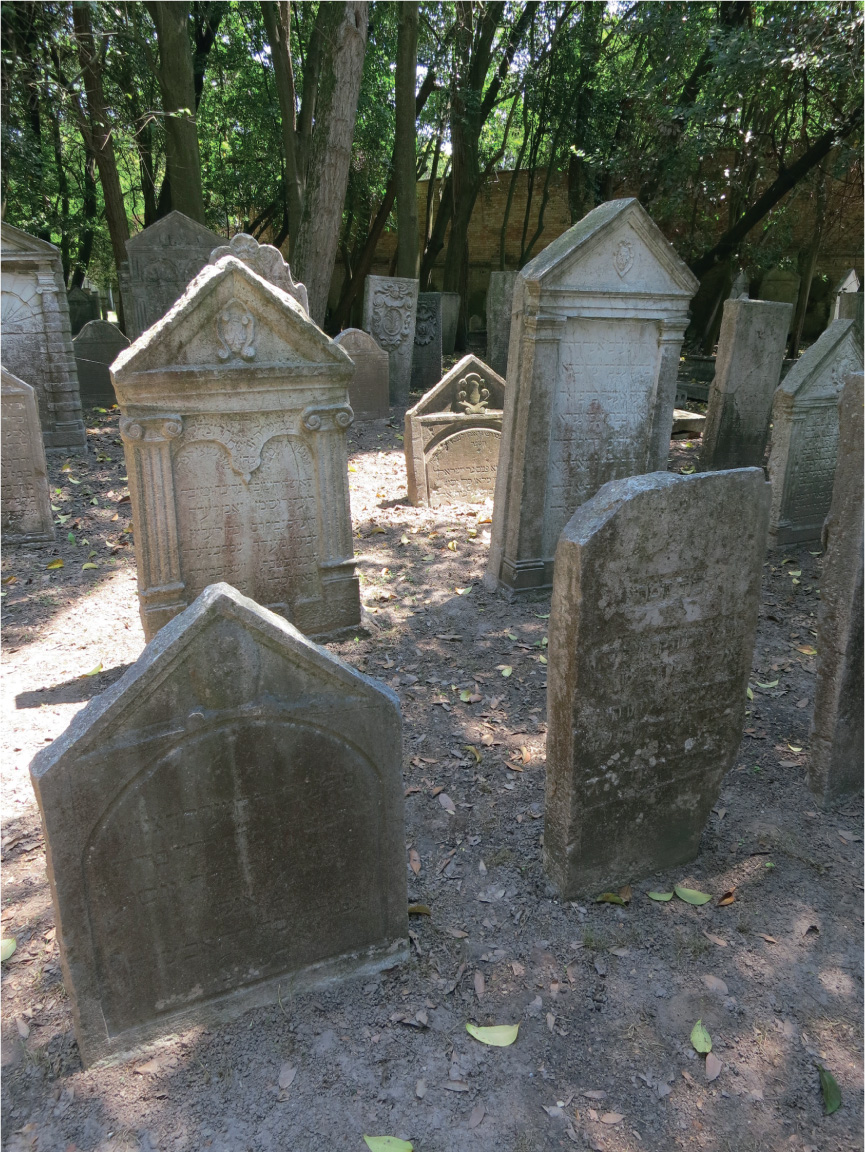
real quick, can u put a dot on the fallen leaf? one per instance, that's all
(626, 893)
(457, 1086)
(86, 566)
(499, 1036)
(727, 898)
(58, 563)
(478, 1113)
(615, 1117)
(553, 1111)
(93, 671)
(609, 898)
(447, 803)
(768, 939)
(620, 951)
(479, 985)
(420, 1089)
(713, 1067)
(794, 748)
(387, 1144)
(23, 1027)
(691, 895)
(286, 1076)
(700, 1038)
(7, 947)
(594, 1094)
(414, 861)
(506, 669)
(452, 546)
(419, 910)
(517, 968)
(660, 896)
(770, 684)
(830, 1089)
(457, 933)
(749, 693)
(715, 984)
(471, 747)
(806, 649)
(715, 939)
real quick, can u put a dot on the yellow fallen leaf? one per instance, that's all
(806, 649)
(506, 670)
(388, 1144)
(7, 947)
(452, 546)
(94, 671)
(414, 861)
(58, 563)
(499, 1036)
(84, 566)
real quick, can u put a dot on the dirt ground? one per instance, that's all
(606, 996)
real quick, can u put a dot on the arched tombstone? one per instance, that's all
(368, 391)
(97, 346)
(24, 492)
(266, 260)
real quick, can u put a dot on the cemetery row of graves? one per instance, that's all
(564, 733)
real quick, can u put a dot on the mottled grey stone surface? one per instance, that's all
(747, 371)
(805, 434)
(426, 364)
(598, 322)
(500, 296)
(450, 318)
(389, 306)
(452, 436)
(651, 635)
(24, 494)
(267, 261)
(226, 820)
(368, 391)
(835, 769)
(234, 419)
(97, 346)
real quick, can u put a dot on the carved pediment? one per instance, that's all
(469, 388)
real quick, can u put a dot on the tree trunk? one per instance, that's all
(277, 21)
(807, 265)
(405, 146)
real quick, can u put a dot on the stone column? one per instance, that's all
(670, 343)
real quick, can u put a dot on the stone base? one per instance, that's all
(521, 577)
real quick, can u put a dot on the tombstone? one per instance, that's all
(83, 307)
(782, 286)
(500, 295)
(805, 435)
(747, 370)
(651, 635)
(267, 261)
(740, 286)
(226, 819)
(835, 769)
(476, 323)
(847, 285)
(368, 391)
(450, 319)
(389, 305)
(96, 346)
(452, 437)
(37, 341)
(598, 321)
(849, 307)
(426, 364)
(161, 262)
(234, 418)
(24, 493)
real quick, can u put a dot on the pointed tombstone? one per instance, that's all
(389, 306)
(651, 636)
(805, 435)
(267, 261)
(368, 391)
(26, 500)
(37, 339)
(235, 412)
(162, 260)
(97, 346)
(452, 437)
(226, 819)
(426, 363)
(597, 324)
(450, 318)
(835, 769)
(500, 296)
(747, 370)
(848, 284)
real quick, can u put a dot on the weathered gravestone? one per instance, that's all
(426, 364)
(835, 769)
(747, 371)
(452, 436)
(161, 262)
(450, 318)
(235, 411)
(226, 819)
(598, 321)
(37, 340)
(782, 286)
(368, 391)
(389, 306)
(651, 636)
(26, 502)
(847, 285)
(850, 308)
(97, 345)
(805, 434)
(84, 305)
(500, 297)
(267, 261)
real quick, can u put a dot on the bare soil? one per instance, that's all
(606, 996)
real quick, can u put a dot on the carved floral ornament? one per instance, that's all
(235, 330)
(425, 324)
(266, 261)
(623, 257)
(391, 315)
(472, 397)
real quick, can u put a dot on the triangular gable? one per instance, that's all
(821, 370)
(229, 318)
(619, 249)
(176, 230)
(13, 384)
(14, 241)
(446, 395)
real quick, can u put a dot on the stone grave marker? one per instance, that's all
(161, 261)
(805, 434)
(452, 437)
(26, 501)
(835, 769)
(450, 319)
(849, 283)
(84, 305)
(850, 307)
(651, 636)
(368, 391)
(96, 346)
(782, 286)
(37, 340)
(225, 821)
(426, 364)
(267, 261)
(747, 370)
(234, 418)
(598, 322)
(389, 306)
(500, 296)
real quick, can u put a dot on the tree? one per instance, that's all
(405, 147)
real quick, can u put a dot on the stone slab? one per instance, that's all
(452, 437)
(267, 261)
(500, 296)
(97, 346)
(450, 319)
(848, 285)
(691, 422)
(782, 286)
(747, 370)
(24, 493)
(389, 307)
(368, 391)
(426, 364)
(227, 819)
(651, 636)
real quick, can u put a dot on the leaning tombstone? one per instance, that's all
(452, 437)
(426, 363)
(651, 636)
(747, 370)
(835, 769)
(234, 418)
(37, 340)
(805, 434)
(450, 318)
(267, 261)
(368, 391)
(389, 306)
(847, 285)
(96, 346)
(598, 321)
(500, 295)
(227, 819)
(24, 494)
(162, 260)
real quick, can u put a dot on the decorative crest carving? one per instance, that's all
(266, 261)
(472, 396)
(391, 315)
(623, 258)
(425, 323)
(235, 328)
